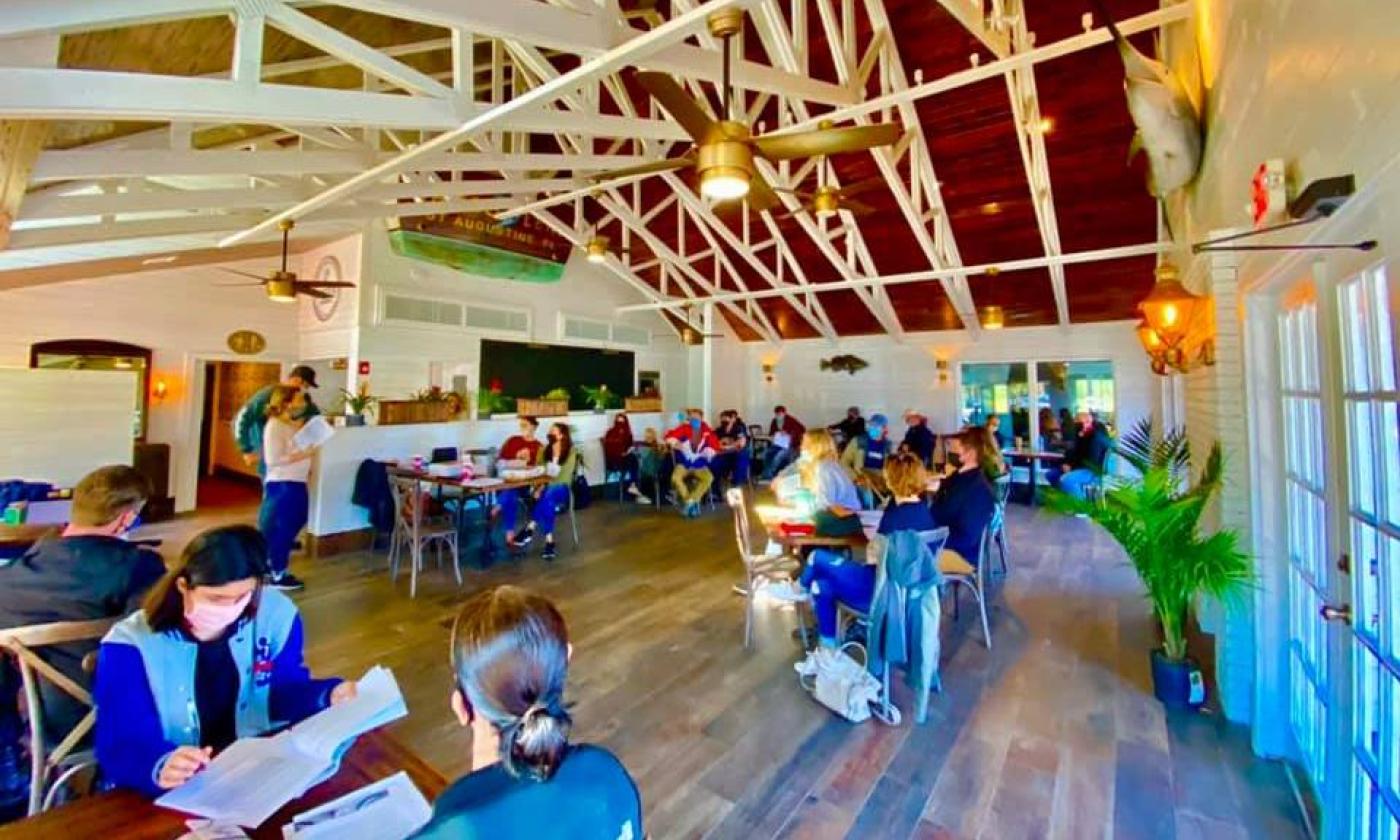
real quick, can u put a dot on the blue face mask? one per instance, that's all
(695, 426)
(135, 523)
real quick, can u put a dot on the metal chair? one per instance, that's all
(759, 568)
(1002, 488)
(52, 769)
(415, 529)
(974, 582)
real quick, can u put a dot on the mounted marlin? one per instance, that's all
(1168, 128)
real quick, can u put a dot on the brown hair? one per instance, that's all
(905, 474)
(214, 558)
(984, 445)
(560, 453)
(280, 398)
(106, 493)
(510, 658)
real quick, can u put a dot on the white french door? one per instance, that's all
(1341, 423)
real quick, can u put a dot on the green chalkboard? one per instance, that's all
(532, 370)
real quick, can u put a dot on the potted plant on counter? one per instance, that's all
(354, 404)
(553, 404)
(1156, 517)
(600, 398)
(492, 400)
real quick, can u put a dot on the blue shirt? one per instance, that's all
(590, 797)
(906, 516)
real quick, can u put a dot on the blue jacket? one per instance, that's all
(145, 689)
(903, 618)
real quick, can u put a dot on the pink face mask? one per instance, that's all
(207, 621)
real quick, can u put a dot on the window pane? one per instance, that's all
(1000, 389)
(1367, 705)
(1389, 438)
(1363, 453)
(1366, 577)
(1383, 329)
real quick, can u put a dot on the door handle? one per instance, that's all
(1331, 613)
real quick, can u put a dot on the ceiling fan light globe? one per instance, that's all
(723, 183)
(993, 318)
(826, 203)
(725, 163)
(597, 249)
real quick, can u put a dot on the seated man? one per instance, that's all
(88, 572)
(850, 431)
(694, 446)
(523, 449)
(964, 504)
(918, 438)
(786, 441)
(731, 464)
(1083, 463)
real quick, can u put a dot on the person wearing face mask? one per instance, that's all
(619, 457)
(785, 441)
(560, 460)
(731, 464)
(510, 660)
(286, 499)
(1083, 463)
(694, 445)
(964, 504)
(212, 656)
(86, 572)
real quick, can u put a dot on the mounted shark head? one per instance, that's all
(1168, 128)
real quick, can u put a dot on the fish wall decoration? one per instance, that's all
(1168, 127)
(847, 363)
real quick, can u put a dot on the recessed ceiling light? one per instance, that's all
(991, 208)
(1045, 126)
(165, 260)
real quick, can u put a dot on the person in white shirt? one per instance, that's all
(285, 503)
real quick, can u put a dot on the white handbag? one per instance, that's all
(840, 683)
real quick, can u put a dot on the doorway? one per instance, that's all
(225, 481)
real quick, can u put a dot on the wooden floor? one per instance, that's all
(1052, 733)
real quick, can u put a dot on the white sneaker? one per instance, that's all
(787, 591)
(639, 498)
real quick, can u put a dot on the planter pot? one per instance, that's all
(402, 412)
(542, 408)
(354, 419)
(641, 404)
(1177, 684)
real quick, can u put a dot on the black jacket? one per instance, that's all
(964, 505)
(372, 493)
(920, 440)
(74, 579)
(851, 428)
(1089, 450)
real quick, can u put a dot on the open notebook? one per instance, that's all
(249, 781)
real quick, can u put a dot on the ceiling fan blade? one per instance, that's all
(761, 196)
(677, 103)
(863, 186)
(827, 141)
(303, 289)
(859, 208)
(317, 284)
(657, 166)
(257, 277)
(240, 285)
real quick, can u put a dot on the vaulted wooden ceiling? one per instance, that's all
(971, 133)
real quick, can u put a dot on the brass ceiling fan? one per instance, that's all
(829, 200)
(724, 149)
(282, 285)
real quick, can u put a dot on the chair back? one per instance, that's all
(23, 643)
(408, 502)
(1001, 486)
(740, 508)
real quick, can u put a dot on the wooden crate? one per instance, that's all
(404, 412)
(641, 404)
(542, 408)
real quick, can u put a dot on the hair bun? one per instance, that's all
(534, 745)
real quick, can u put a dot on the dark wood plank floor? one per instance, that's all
(1052, 733)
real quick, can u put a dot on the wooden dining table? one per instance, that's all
(794, 543)
(126, 815)
(1036, 457)
(486, 492)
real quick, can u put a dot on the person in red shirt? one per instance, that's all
(785, 441)
(618, 456)
(694, 445)
(522, 450)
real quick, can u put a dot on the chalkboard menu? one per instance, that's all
(532, 370)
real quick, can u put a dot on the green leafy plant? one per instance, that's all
(357, 401)
(1156, 518)
(456, 402)
(490, 402)
(557, 394)
(600, 398)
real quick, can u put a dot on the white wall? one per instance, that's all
(182, 314)
(400, 355)
(903, 375)
(60, 424)
(1315, 85)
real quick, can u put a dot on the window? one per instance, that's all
(85, 354)
(1061, 390)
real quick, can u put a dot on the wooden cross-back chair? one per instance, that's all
(52, 767)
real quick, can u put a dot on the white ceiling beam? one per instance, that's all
(1007, 267)
(588, 71)
(71, 164)
(597, 33)
(974, 18)
(34, 17)
(1088, 40)
(332, 41)
(47, 94)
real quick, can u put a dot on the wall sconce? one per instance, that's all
(768, 371)
(159, 390)
(1177, 329)
(941, 365)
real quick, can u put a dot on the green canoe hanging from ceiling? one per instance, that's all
(475, 243)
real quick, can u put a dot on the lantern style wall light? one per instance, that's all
(1177, 329)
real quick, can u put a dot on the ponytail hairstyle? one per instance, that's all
(559, 451)
(510, 658)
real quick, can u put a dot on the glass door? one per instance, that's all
(1371, 401)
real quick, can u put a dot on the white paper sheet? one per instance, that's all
(316, 432)
(249, 781)
(390, 809)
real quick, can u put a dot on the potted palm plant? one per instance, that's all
(355, 403)
(1156, 517)
(600, 398)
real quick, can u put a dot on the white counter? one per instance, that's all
(333, 480)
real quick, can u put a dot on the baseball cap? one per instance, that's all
(305, 373)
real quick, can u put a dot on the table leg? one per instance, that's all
(1035, 479)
